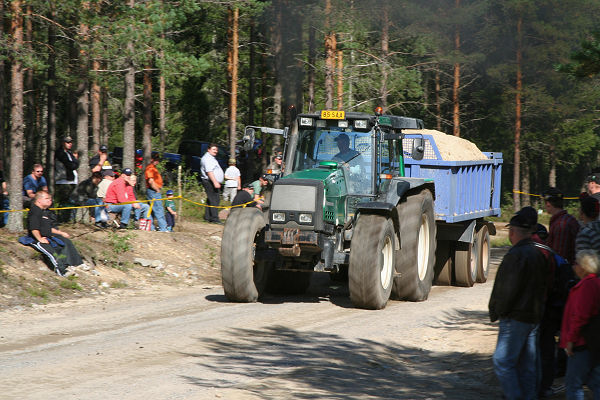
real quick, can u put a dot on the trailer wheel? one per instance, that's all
(416, 258)
(371, 267)
(243, 277)
(483, 267)
(288, 282)
(443, 264)
(466, 261)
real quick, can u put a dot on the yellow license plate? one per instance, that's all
(333, 114)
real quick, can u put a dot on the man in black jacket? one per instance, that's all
(517, 300)
(66, 163)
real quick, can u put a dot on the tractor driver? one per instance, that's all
(346, 153)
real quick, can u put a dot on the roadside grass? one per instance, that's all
(70, 283)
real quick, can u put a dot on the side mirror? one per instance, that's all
(248, 139)
(418, 149)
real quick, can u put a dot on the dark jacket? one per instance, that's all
(85, 190)
(64, 167)
(520, 284)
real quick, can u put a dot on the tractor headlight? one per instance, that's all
(305, 218)
(360, 124)
(278, 217)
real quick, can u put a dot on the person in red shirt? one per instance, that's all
(139, 209)
(583, 303)
(117, 193)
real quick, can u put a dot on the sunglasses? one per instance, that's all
(39, 171)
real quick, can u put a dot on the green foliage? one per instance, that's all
(70, 283)
(118, 284)
(585, 61)
(38, 292)
(120, 242)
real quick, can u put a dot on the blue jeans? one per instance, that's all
(97, 210)
(580, 371)
(4, 207)
(157, 209)
(142, 211)
(123, 209)
(515, 359)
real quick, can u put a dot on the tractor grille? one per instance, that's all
(294, 198)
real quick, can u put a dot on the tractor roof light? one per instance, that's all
(378, 111)
(305, 121)
(342, 124)
(360, 124)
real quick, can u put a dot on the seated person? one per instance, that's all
(33, 183)
(86, 194)
(244, 197)
(115, 194)
(140, 210)
(48, 239)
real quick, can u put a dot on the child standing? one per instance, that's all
(170, 214)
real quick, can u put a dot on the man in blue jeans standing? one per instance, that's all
(154, 184)
(517, 300)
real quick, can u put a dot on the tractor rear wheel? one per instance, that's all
(371, 268)
(416, 258)
(243, 277)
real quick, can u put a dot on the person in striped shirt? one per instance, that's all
(589, 235)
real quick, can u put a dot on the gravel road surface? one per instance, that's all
(193, 344)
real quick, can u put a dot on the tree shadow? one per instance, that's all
(278, 362)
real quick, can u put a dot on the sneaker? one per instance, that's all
(59, 272)
(122, 226)
(101, 224)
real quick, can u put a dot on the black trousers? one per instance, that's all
(211, 214)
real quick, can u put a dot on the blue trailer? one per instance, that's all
(465, 193)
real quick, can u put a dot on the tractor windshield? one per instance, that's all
(352, 149)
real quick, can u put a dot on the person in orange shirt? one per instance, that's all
(154, 185)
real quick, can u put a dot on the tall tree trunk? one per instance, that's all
(277, 43)
(95, 99)
(456, 84)
(31, 141)
(162, 109)
(15, 220)
(340, 80)
(83, 101)
(129, 109)
(385, 48)
(438, 100)
(312, 56)
(51, 134)
(3, 138)
(330, 48)
(234, 81)
(552, 172)
(147, 118)
(525, 180)
(251, 72)
(104, 131)
(517, 159)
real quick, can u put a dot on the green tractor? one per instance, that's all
(342, 206)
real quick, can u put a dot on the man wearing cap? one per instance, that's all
(100, 160)
(345, 152)
(257, 187)
(212, 175)
(517, 301)
(154, 184)
(589, 234)
(66, 163)
(563, 226)
(117, 193)
(233, 181)
(276, 167)
(244, 198)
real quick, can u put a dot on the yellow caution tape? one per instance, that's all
(539, 195)
(133, 202)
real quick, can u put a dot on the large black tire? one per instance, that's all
(466, 260)
(483, 267)
(243, 277)
(288, 282)
(416, 257)
(371, 268)
(443, 264)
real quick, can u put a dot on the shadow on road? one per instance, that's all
(278, 362)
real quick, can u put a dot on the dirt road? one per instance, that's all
(193, 344)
